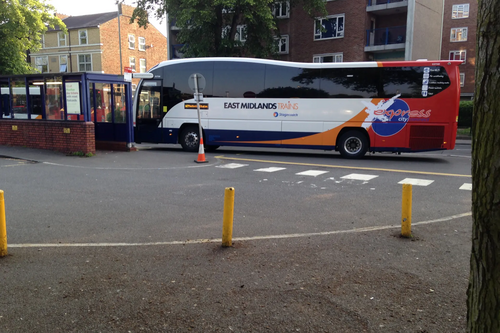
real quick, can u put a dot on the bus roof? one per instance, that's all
(361, 64)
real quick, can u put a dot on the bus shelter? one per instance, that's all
(93, 109)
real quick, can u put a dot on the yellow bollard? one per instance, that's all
(3, 227)
(227, 224)
(406, 211)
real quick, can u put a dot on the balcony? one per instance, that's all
(387, 7)
(385, 39)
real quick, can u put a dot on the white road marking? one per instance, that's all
(231, 166)
(219, 240)
(357, 176)
(271, 169)
(416, 182)
(466, 186)
(312, 173)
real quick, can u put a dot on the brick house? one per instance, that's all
(459, 41)
(95, 42)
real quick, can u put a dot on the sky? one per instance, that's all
(75, 8)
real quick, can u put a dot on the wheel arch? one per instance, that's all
(183, 126)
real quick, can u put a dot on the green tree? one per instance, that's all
(211, 27)
(22, 24)
(483, 305)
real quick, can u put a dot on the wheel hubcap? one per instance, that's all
(353, 145)
(191, 139)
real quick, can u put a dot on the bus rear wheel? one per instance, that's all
(353, 144)
(189, 139)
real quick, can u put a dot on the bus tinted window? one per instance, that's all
(238, 79)
(176, 76)
(290, 82)
(350, 82)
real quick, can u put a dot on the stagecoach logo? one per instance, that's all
(389, 117)
(279, 114)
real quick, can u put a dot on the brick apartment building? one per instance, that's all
(94, 44)
(459, 41)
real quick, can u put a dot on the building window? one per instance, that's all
(142, 63)
(462, 79)
(330, 57)
(42, 64)
(131, 63)
(458, 55)
(83, 37)
(142, 44)
(63, 63)
(458, 35)
(241, 33)
(282, 44)
(62, 38)
(85, 62)
(282, 9)
(330, 27)
(460, 11)
(131, 42)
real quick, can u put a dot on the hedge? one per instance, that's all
(465, 114)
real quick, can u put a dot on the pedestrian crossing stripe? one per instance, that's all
(270, 169)
(231, 166)
(312, 173)
(416, 182)
(466, 186)
(357, 176)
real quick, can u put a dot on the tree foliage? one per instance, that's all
(483, 303)
(22, 24)
(211, 27)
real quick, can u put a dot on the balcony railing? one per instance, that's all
(386, 36)
(382, 2)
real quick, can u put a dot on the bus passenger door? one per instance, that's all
(149, 113)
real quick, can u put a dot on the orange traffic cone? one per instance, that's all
(201, 153)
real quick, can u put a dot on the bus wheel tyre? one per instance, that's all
(353, 144)
(190, 139)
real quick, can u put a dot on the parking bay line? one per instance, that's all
(221, 157)
(236, 239)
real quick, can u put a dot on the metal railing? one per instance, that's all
(386, 36)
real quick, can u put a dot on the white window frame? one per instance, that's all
(318, 32)
(86, 37)
(282, 9)
(63, 62)
(142, 65)
(131, 42)
(458, 55)
(282, 43)
(131, 63)
(61, 37)
(80, 63)
(462, 79)
(337, 57)
(460, 11)
(458, 34)
(241, 33)
(142, 43)
(40, 62)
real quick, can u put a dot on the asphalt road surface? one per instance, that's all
(129, 242)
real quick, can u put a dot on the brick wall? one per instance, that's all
(49, 135)
(300, 28)
(470, 45)
(156, 44)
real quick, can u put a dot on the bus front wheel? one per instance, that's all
(353, 144)
(189, 139)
